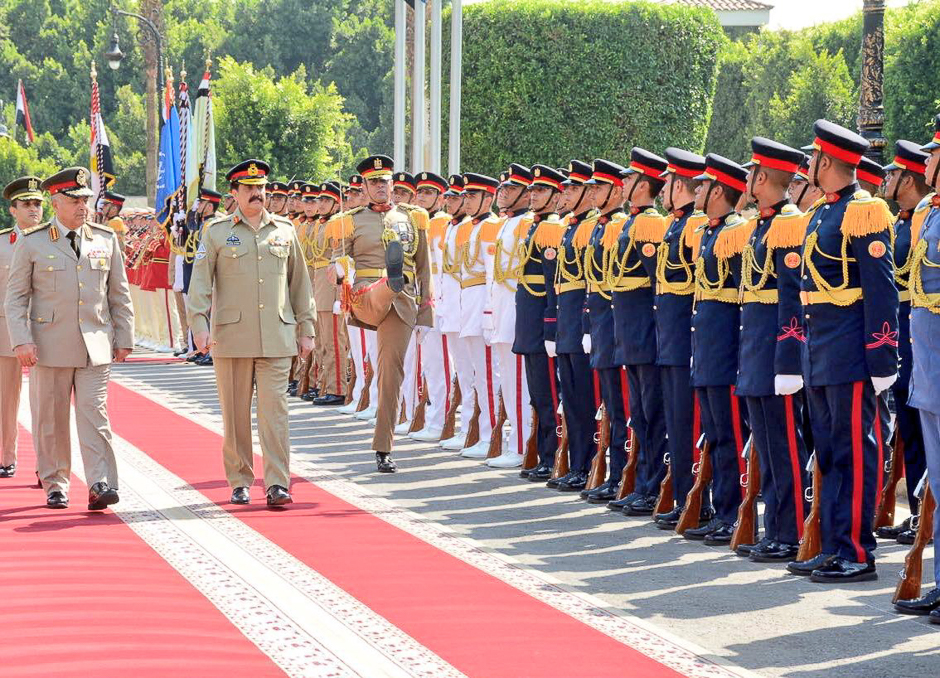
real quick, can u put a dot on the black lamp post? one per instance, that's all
(871, 112)
(115, 55)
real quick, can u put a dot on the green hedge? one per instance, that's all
(551, 80)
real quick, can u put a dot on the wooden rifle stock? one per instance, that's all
(473, 432)
(599, 464)
(496, 441)
(693, 500)
(884, 516)
(667, 498)
(350, 387)
(450, 421)
(628, 478)
(418, 420)
(560, 467)
(367, 384)
(745, 531)
(811, 543)
(908, 586)
(531, 458)
(305, 366)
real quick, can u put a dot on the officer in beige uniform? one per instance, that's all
(251, 266)
(69, 313)
(392, 288)
(25, 199)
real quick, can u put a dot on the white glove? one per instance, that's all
(550, 349)
(586, 343)
(337, 273)
(337, 307)
(487, 320)
(488, 335)
(883, 383)
(787, 384)
(421, 331)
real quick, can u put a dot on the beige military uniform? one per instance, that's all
(76, 310)
(256, 285)
(332, 340)
(11, 373)
(375, 306)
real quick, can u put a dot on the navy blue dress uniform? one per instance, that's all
(770, 308)
(565, 301)
(850, 326)
(599, 325)
(675, 286)
(536, 323)
(716, 320)
(630, 273)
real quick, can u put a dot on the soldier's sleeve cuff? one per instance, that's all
(305, 329)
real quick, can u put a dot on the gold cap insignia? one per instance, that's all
(80, 177)
(252, 170)
(424, 175)
(571, 167)
(377, 163)
(538, 172)
(33, 184)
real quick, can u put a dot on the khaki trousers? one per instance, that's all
(11, 383)
(393, 335)
(236, 379)
(333, 349)
(50, 393)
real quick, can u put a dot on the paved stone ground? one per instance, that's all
(755, 616)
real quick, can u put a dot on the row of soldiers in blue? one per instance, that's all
(706, 329)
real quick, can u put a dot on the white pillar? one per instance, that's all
(435, 140)
(418, 126)
(456, 60)
(399, 105)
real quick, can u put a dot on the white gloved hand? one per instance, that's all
(337, 307)
(550, 349)
(336, 273)
(488, 336)
(586, 343)
(421, 331)
(787, 384)
(487, 320)
(883, 383)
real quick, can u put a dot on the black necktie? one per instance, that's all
(73, 241)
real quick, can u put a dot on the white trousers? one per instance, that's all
(438, 371)
(485, 380)
(512, 381)
(357, 349)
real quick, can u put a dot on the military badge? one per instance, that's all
(792, 260)
(80, 177)
(201, 252)
(550, 253)
(649, 249)
(252, 170)
(877, 249)
(233, 240)
(33, 185)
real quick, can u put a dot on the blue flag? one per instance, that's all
(168, 173)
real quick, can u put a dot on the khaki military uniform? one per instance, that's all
(76, 310)
(257, 288)
(375, 306)
(11, 374)
(332, 340)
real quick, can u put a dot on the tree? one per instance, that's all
(17, 161)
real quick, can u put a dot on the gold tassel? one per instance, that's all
(522, 228)
(692, 232)
(490, 228)
(437, 226)
(418, 215)
(920, 215)
(732, 238)
(649, 227)
(788, 230)
(582, 236)
(613, 230)
(463, 231)
(339, 227)
(116, 224)
(866, 215)
(548, 233)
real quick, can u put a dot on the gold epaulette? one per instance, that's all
(788, 229)
(582, 236)
(613, 230)
(36, 229)
(438, 225)
(522, 228)
(116, 224)
(549, 232)
(920, 214)
(865, 215)
(341, 226)
(489, 229)
(464, 228)
(693, 230)
(649, 226)
(733, 236)
(418, 215)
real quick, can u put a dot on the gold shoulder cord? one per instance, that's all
(900, 272)
(749, 265)
(564, 262)
(450, 267)
(592, 270)
(500, 274)
(618, 261)
(525, 249)
(919, 298)
(824, 287)
(663, 264)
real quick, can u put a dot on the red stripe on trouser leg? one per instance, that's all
(336, 356)
(881, 452)
(551, 381)
(362, 343)
(446, 373)
(519, 403)
(696, 428)
(625, 393)
(857, 471)
(795, 469)
(738, 437)
(488, 352)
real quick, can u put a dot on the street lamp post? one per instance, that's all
(871, 112)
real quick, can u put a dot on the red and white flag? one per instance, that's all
(22, 112)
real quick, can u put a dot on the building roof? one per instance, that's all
(727, 5)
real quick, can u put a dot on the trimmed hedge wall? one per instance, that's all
(550, 80)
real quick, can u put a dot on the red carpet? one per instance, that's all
(481, 625)
(82, 596)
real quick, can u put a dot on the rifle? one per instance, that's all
(692, 512)
(367, 384)
(418, 421)
(560, 468)
(450, 420)
(602, 438)
(908, 586)
(745, 530)
(350, 386)
(496, 440)
(811, 541)
(884, 516)
(666, 499)
(473, 431)
(531, 458)
(628, 478)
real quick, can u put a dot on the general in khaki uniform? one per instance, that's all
(392, 289)
(11, 372)
(68, 298)
(255, 282)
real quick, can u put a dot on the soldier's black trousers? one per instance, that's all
(649, 426)
(577, 397)
(777, 425)
(843, 418)
(726, 432)
(613, 384)
(683, 425)
(541, 376)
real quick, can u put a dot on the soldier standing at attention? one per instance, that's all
(250, 271)
(69, 312)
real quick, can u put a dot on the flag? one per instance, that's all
(200, 144)
(22, 112)
(168, 161)
(184, 115)
(102, 166)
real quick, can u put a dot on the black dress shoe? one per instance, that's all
(775, 553)
(804, 568)
(699, 533)
(57, 500)
(573, 482)
(278, 496)
(934, 617)
(744, 550)
(668, 520)
(384, 463)
(926, 604)
(205, 361)
(621, 504)
(842, 571)
(240, 495)
(329, 399)
(394, 265)
(540, 473)
(101, 496)
(644, 506)
(194, 357)
(720, 536)
(603, 487)
(907, 537)
(524, 473)
(292, 388)
(892, 531)
(603, 494)
(8, 471)
(310, 395)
